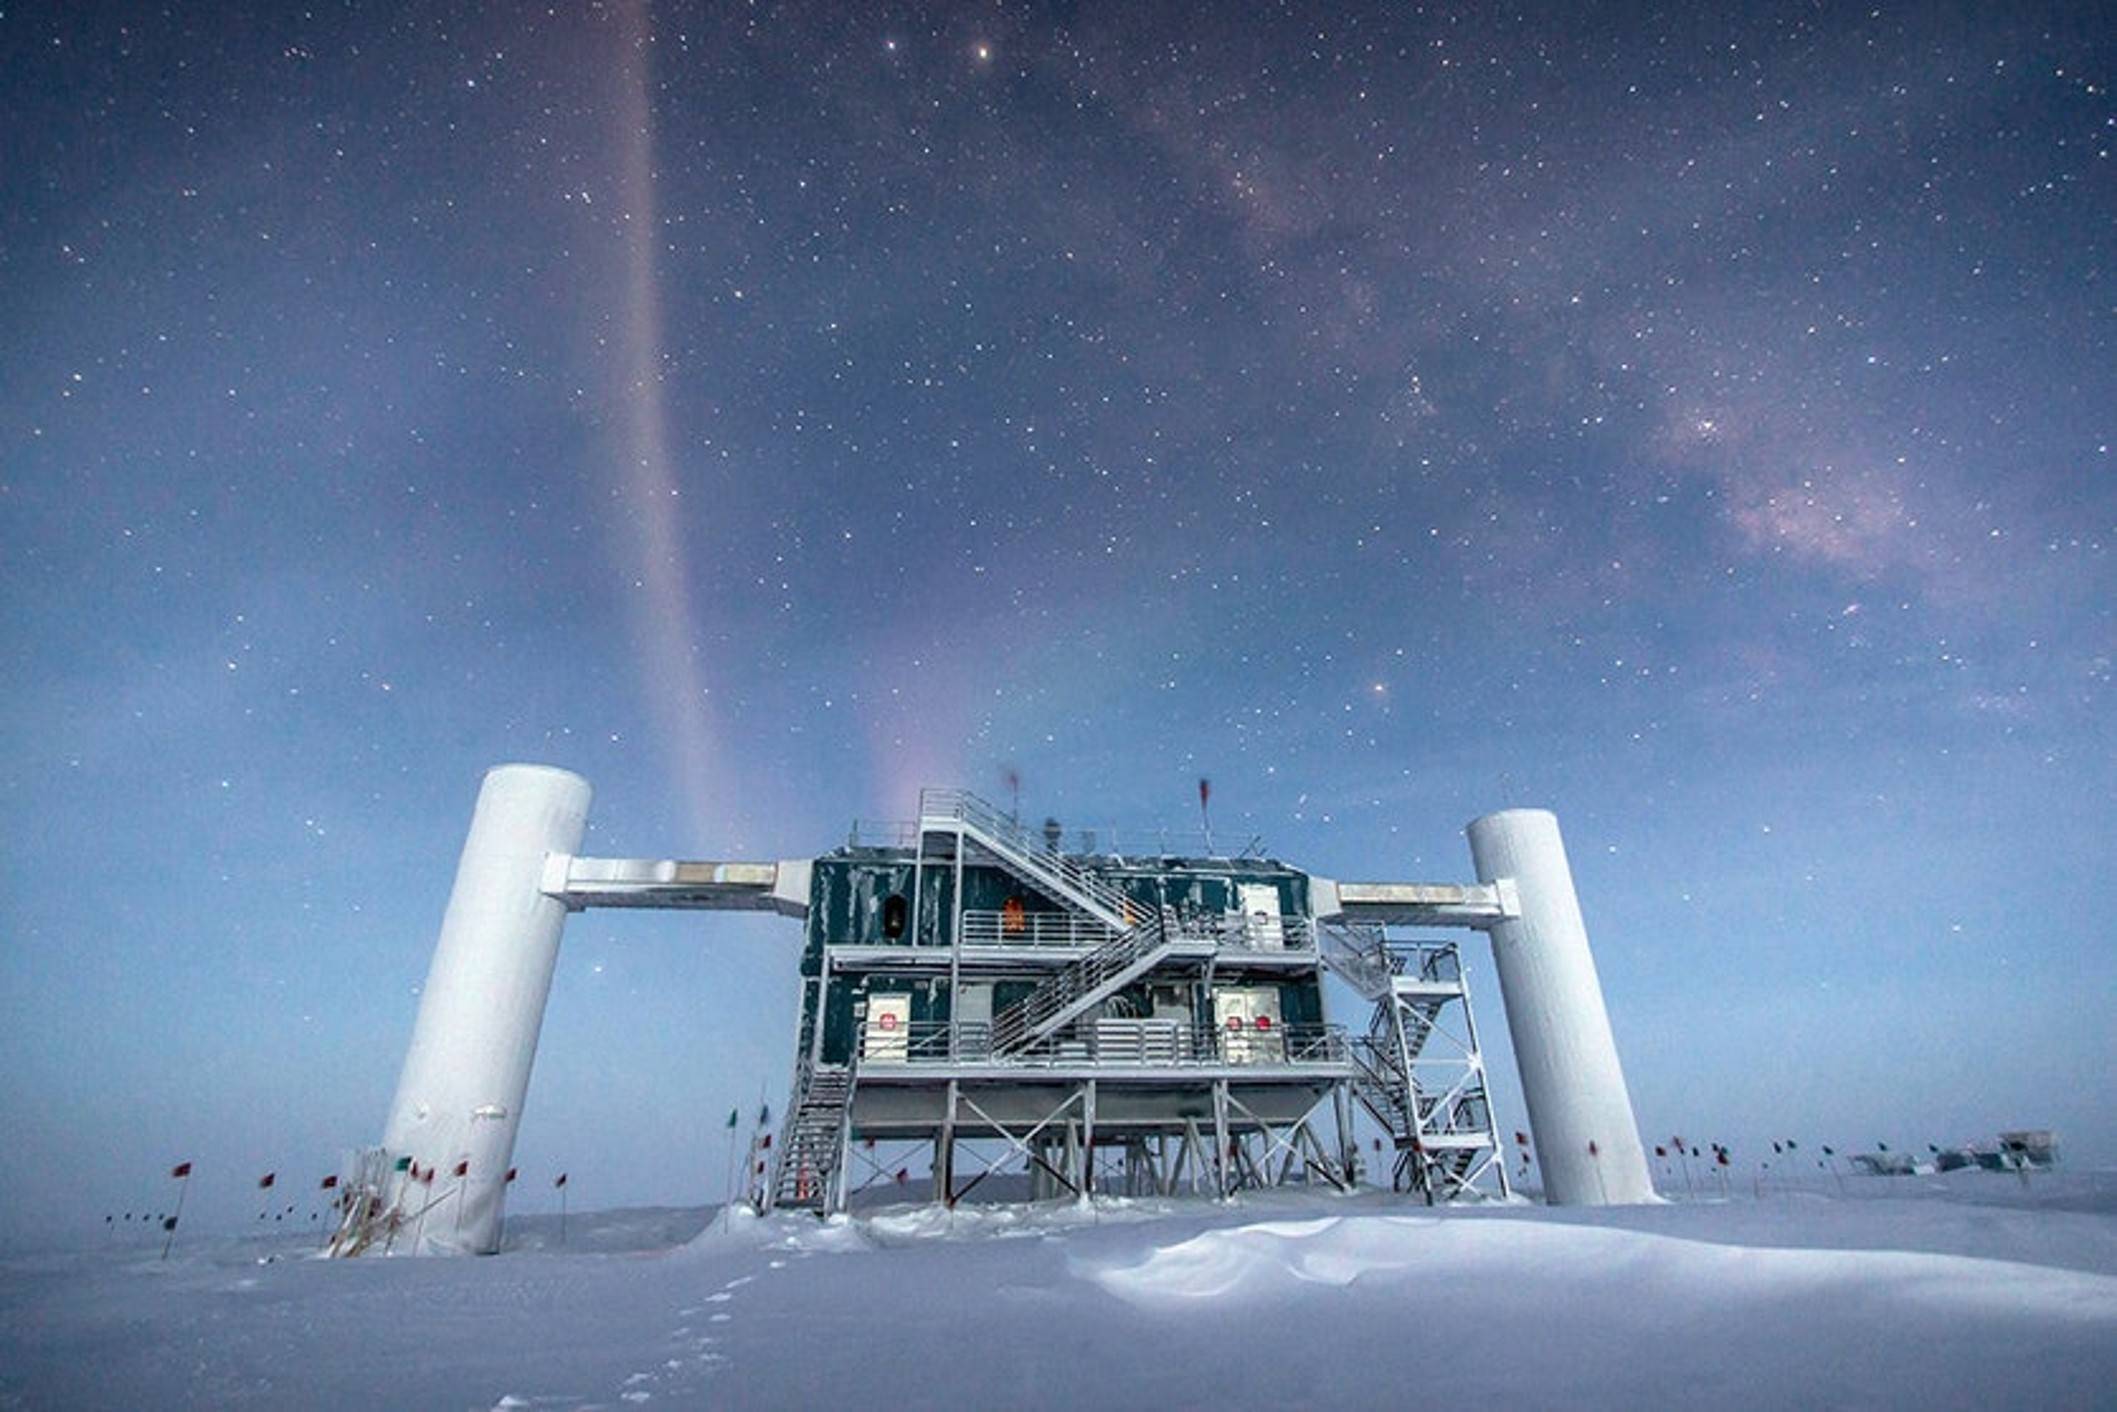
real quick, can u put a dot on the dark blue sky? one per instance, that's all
(1698, 424)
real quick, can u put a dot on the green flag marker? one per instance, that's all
(404, 1164)
(734, 1116)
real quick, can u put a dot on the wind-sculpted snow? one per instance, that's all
(1272, 1261)
(1279, 1301)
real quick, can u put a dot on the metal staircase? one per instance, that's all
(1443, 1129)
(1382, 1089)
(1028, 857)
(1142, 938)
(1082, 983)
(813, 1142)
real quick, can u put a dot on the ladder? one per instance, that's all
(812, 1142)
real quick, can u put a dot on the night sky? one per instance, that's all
(1699, 425)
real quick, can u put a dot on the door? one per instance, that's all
(885, 1040)
(1248, 1017)
(1262, 926)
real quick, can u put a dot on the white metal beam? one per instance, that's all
(781, 887)
(1480, 906)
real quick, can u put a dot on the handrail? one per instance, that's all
(1098, 841)
(1077, 984)
(1138, 933)
(1359, 953)
(1143, 1042)
(1034, 929)
(1034, 855)
(1071, 929)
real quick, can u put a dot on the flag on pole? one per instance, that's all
(266, 1180)
(330, 1182)
(463, 1168)
(561, 1181)
(181, 1169)
(404, 1164)
(734, 1116)
(1660, 1151)
(510, 1176)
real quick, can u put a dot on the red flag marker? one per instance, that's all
(510, 1175)
(463, 1168)
(330, 1181)
(266, 1180)
(561, 1181)
(180, 1172)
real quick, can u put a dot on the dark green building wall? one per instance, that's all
(850, 891)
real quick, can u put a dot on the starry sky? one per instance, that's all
(1692, 420)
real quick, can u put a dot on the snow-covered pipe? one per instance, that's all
(460, 1097)
(1580, 1114)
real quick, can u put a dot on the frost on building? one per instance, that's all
(1092, 1010)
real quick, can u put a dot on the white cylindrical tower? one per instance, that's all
(1579, 1112)
(465, 1075)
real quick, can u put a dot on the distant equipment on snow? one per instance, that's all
(1141, 1013)
(2020, 1150)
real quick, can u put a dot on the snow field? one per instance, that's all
(1931, 1300)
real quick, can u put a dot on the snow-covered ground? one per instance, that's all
(1938, 1292)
